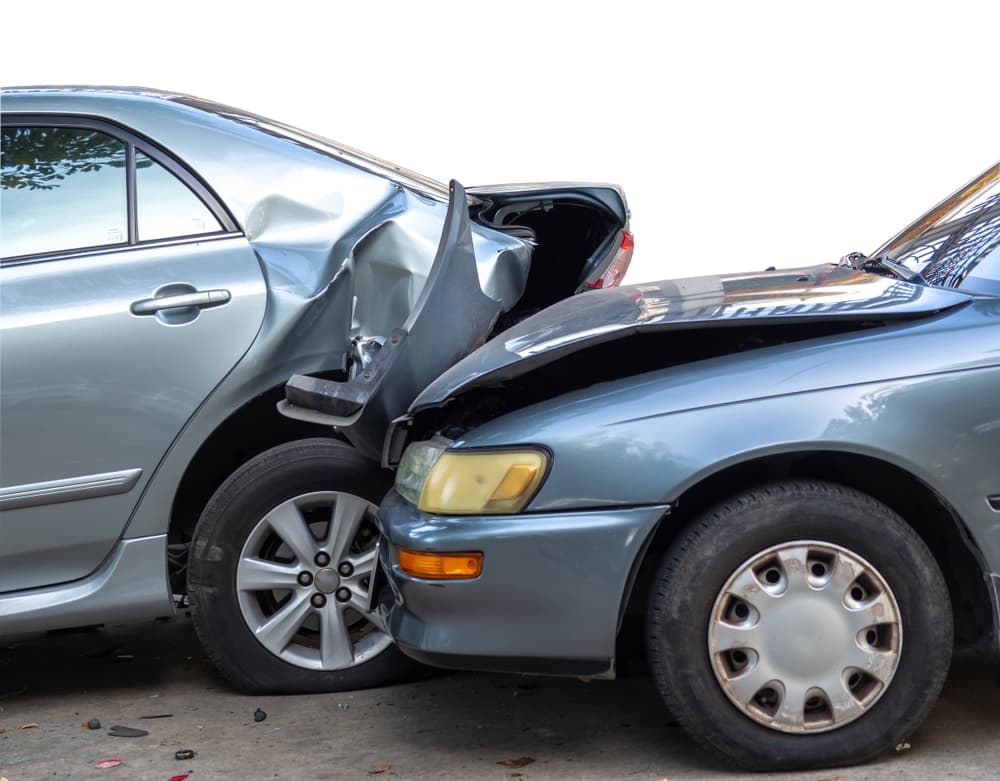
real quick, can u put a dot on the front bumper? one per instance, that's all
(549, 599)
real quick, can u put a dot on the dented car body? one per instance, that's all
(168, 264)
(789, 476)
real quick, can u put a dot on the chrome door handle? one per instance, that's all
(201, 299)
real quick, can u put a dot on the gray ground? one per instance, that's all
(452, 726)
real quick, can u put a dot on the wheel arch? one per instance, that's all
(924, 509)
(250, 430)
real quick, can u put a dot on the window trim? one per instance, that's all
(133, 142)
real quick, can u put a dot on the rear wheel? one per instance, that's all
(281, 569)
(799, 625)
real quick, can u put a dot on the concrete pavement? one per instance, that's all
(449, 726)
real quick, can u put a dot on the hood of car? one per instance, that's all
(827, 292)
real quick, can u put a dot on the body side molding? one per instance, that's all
(69, 489)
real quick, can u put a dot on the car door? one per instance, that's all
(126, 295)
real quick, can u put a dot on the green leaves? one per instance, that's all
(40, 158)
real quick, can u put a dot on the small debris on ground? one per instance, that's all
(259, 715)
(118, 731)
(379, 769)
(157, 716)
(92, 724)
(104, 764)
(32, 725)
(179, 777)
(516, 763)
(184, 753)
(343, 705)
(903, 747)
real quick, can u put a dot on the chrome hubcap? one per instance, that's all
(304, 578)
(805, 637)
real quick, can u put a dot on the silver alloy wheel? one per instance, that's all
(805, 636)
(303, 581)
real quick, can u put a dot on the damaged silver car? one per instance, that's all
(785, 483)
(167, 264)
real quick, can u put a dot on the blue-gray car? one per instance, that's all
(791, 478)
(168, 263)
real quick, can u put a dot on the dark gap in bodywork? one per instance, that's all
(569, 236)
(614, 360)
(566, 235)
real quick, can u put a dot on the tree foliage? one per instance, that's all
(40, 158)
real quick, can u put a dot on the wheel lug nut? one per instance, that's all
(305, 579)
(343, 594)
(346, 569)
(318, 600)
(322, 559)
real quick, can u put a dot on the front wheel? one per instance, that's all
(799, 625)
(281, 568)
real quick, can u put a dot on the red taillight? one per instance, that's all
(613, 275)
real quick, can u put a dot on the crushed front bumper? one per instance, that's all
(549, 599)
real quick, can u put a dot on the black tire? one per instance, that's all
(718, 545)
(241, 503)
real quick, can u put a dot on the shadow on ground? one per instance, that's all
(451, 725)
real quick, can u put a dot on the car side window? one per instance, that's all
(166, 207)
(62, 188)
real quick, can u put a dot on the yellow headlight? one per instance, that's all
(482, 483)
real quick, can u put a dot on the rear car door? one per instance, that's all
(126, 295)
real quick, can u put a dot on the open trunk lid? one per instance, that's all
(575, 234)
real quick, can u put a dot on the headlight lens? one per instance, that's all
(469, 483)
(417, 461)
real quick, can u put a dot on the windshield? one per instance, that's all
(957, 243)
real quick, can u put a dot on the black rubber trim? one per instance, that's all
(994, 502)
(132, 198)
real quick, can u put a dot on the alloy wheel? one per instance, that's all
(304, 579)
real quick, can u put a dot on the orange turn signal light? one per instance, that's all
(440, 566)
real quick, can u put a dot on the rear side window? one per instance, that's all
(68, 188)
(166, 207)
(62, 188)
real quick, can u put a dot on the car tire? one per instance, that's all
(756, 628)
(271, 612)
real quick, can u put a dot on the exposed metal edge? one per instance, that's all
(296, 412)
(68, 489)
(131, 585)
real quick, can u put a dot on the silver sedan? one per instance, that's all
(167, 264)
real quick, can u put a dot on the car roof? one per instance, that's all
(155, 114)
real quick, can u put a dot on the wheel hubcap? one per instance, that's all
(327, 581)
(805, 637)
(291, 567)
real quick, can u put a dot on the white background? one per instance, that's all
(745, 134)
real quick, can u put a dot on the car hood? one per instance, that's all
(828, 292)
